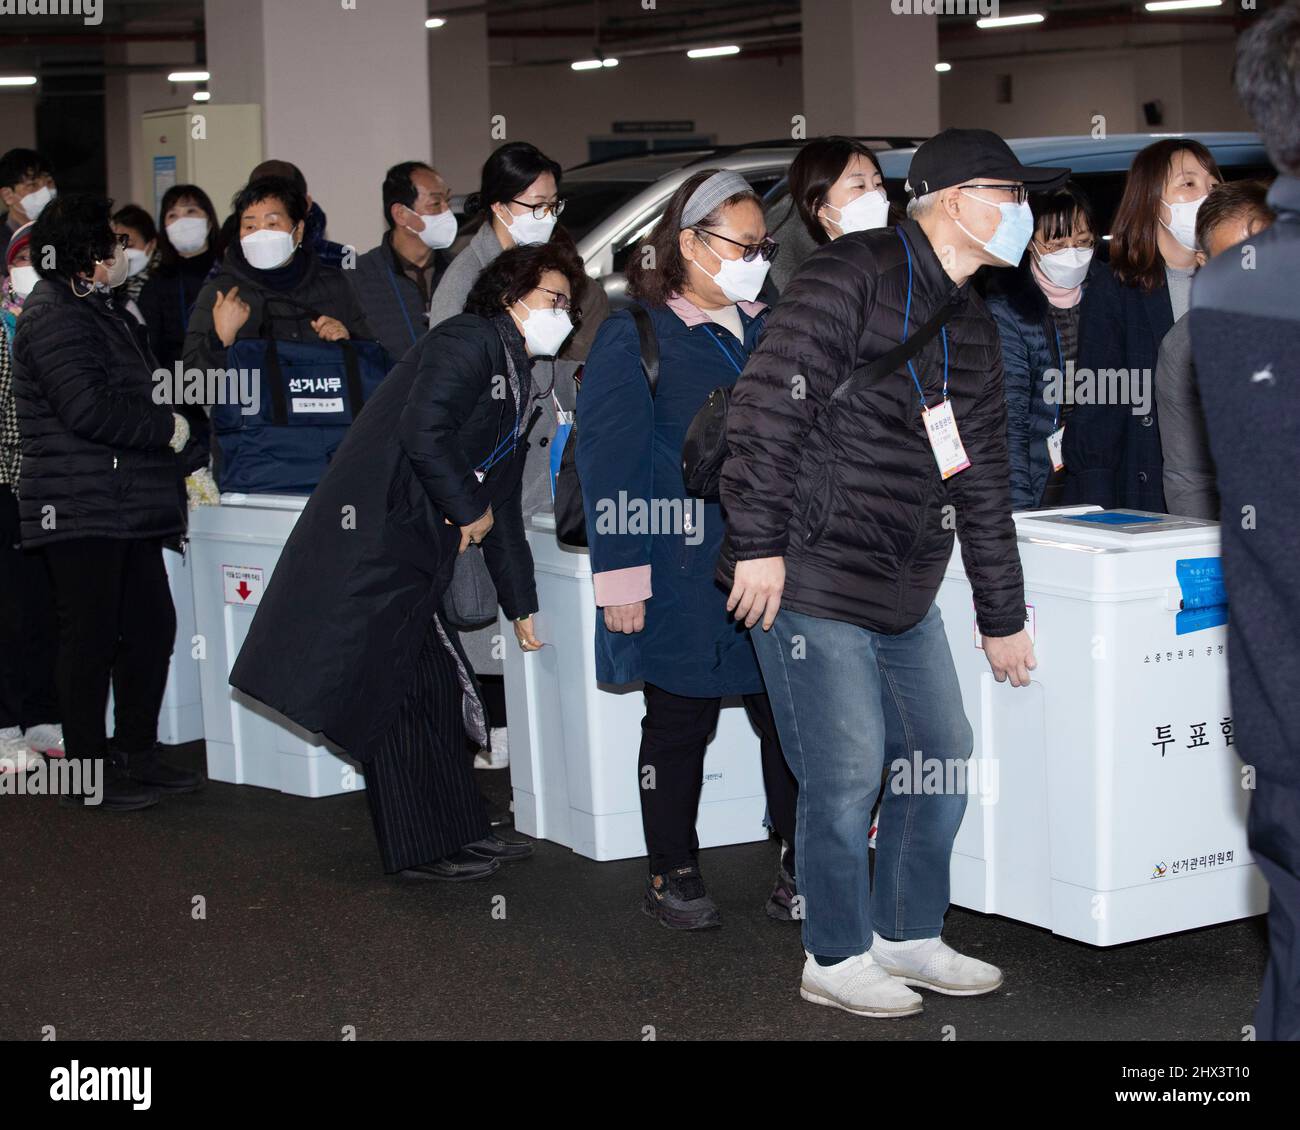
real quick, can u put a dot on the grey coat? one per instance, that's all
(785, 225)
(549, 376)
(1190, 489)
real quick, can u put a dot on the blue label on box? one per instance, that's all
(1205, 598)
(1110, 518)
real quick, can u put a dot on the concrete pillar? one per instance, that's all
(460, 101)
(126, 97)
(869, 70)
(344, 91)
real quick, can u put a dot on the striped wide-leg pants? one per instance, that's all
(424, 800)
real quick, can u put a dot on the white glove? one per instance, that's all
(201, 489)
(181, 434)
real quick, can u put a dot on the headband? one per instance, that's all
(718, 188)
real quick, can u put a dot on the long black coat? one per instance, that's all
(97, 460)
(849, 493)
(333, 643)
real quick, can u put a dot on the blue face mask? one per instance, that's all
(1012, 235)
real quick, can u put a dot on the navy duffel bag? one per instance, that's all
(310, 392)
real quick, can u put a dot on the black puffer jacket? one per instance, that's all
(850, 495)
(97, 460)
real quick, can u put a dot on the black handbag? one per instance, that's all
(570, 514)
(705, 450)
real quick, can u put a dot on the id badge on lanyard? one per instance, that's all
(1055, 450)
(945, 439)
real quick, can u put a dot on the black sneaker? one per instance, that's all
(780, 903)
(499, 845)
(149, 769)
(678, 900)
(120, 793)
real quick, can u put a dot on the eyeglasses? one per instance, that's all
(561, 301)
(1020, 191)
(1083, 243)
(541, 211)
(767, 248)
(123, 240)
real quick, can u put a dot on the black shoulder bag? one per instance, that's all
(705, 450)
(570, 515)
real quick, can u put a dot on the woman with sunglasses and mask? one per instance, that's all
(663, 618)
(1112, 452)
(1036, 307)
(100, 490)
(519, 203)
(836, 187)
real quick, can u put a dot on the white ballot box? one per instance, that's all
(1106, 799)
(574, 744)
(234, 548)
(180, 719)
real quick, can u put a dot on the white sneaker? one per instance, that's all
(930, 963)
(498, 757)
(47, 738)
(15, 757)
(858, 985)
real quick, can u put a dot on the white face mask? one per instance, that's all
(33, 204)
(267, 249)
(116, 269)
(545, 330)
(23, 279)
(738, 280)
(528, 228)
(863, 213)
(188, 234)
(1182, 220)
(136, 261)
(1066, 268)
(439, 231)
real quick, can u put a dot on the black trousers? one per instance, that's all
(117, 625)
(424, 801)
(1273, 831)
(28, 628)
(674, 736)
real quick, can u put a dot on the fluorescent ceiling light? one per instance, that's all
(435, 22)
(188, 76)
(712, 52)
(202, 95)
(593, 64)
(1010, 21)
(1177, 5)
(943, 68)
(17, 80)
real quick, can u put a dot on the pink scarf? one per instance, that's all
(1059, 296)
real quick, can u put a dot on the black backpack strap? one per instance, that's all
(279, 409)
(352, 367)
(900, 354)
(645, 330)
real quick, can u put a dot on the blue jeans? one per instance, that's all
(847, 703)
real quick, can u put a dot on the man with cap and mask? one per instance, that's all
(844, 484)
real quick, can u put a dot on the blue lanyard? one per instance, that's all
(1060, 360)
(401, 304)
(907, 316)
(726, 351)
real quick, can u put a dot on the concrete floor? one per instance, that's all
(303, 936)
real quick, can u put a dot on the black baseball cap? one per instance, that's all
(958, 155)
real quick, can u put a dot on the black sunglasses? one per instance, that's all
(767, 249)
